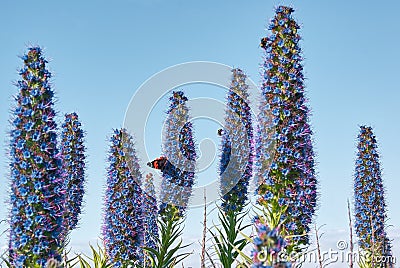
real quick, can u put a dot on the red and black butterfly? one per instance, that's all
(158, 163)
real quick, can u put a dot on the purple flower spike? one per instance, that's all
(150, 212)
(73, 153)
(237, 149)
(37, 191)
(179, 148)
(369, 195)
(284, 150)
(123, 223)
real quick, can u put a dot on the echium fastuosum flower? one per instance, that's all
(235, 170)
(369, 195)
(268, 246)
(36, 184)
(237, 149)
(73, 154)
(123, 222)
(284, 151)
(150, 212)
(179, 148)
(177, 165)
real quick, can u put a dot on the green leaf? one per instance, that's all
(99, 259)
(226, 236)
(170, 229)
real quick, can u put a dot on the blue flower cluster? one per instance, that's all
(73, 154)
(268, 244)
(179, 148)
(237, 149)
(123, 222)
(37, 191)
(370, 208)
(150, 212)
(284, 151)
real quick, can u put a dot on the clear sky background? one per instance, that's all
(102, 51)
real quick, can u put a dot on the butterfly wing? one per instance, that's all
(158, 163)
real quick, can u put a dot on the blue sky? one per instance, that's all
(102, 51)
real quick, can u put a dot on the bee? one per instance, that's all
(158, 163)
(220, 132)
(263, 42)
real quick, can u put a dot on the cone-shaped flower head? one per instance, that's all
(73, 154)
(150, 212)
(36, 183)
(370, 208)
(284, 153)
(268, 243)
(237, 149)
(123, 223)
(179, 148)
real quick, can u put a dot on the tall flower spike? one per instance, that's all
(36, 184)
(288, 180)
(236, 164)
(73, 154)
(369, 195)
(179, 148)
(123, 223)
(235, 170)
(150, 212)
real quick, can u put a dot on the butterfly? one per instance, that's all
(162, 163)
(158, 163)
(220, 132)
